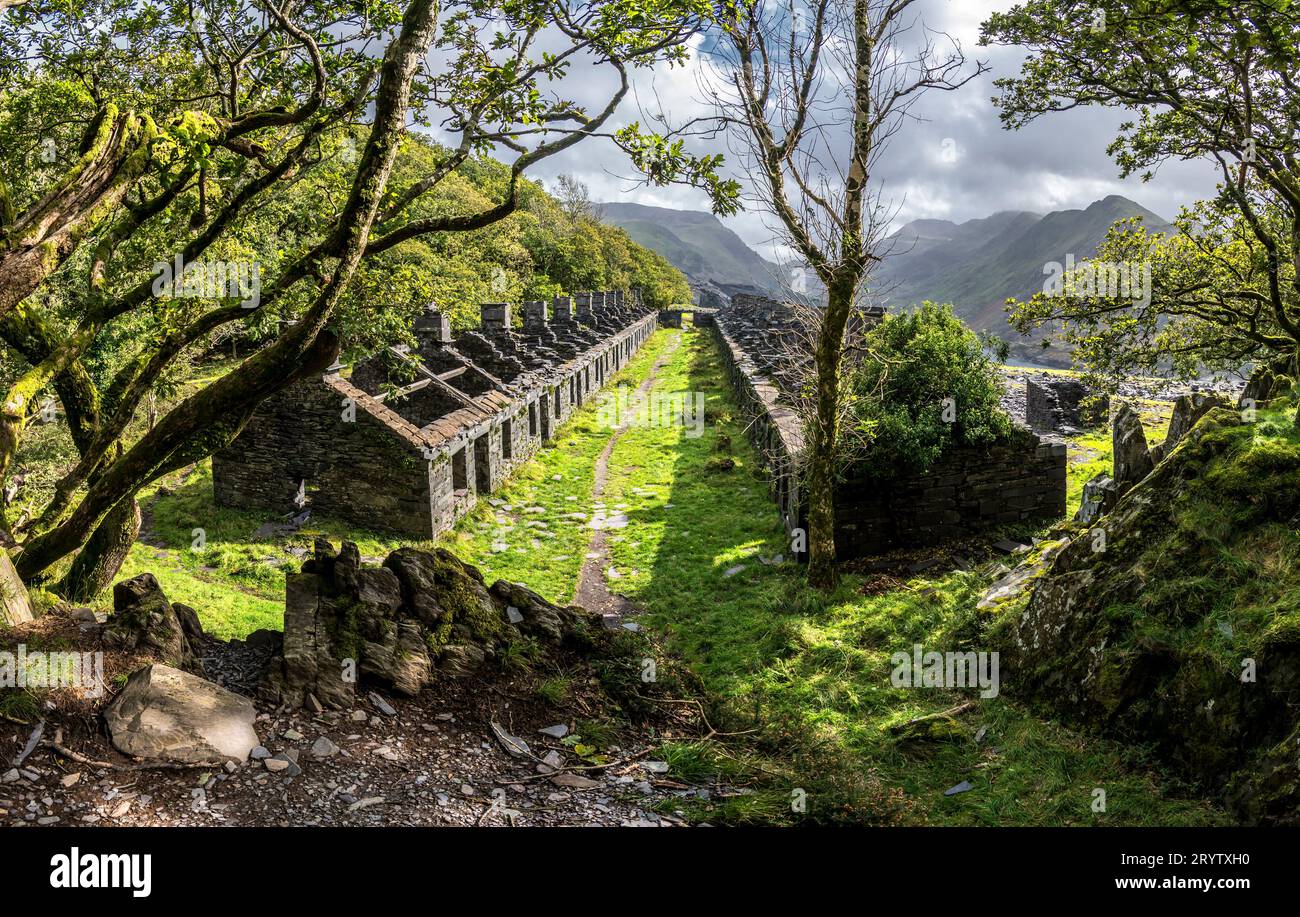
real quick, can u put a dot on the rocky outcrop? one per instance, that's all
(1099, 496)
(169, 715)
(420, 615)
(1188, 409)
(1266, 382)
(1174, 621)
(1130, 454)
(144, 621)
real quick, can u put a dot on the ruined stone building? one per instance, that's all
(410, 438)
(967, 492)
(1055, 404)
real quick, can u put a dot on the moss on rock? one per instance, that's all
(1173, 620)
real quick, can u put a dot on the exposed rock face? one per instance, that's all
(421, 614)
(1188, 409)
(191, 627)
(1265, 383)
(15, 607)
(169, 715)
(144, 621)
(1015, 582)
(1099, 496)
(1132, 459)
(1167, 631)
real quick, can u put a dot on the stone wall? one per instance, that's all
(774, 429)
(970, 491)
(410, 441)
(300, 438)
(1061, 405)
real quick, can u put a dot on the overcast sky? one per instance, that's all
(1058, 162)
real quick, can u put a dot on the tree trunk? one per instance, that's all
(822, 572)
(821, 502)
(15, 607)
(99, 560)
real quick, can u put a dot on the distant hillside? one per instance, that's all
(978, 264)
(975, 265)
(698, 245)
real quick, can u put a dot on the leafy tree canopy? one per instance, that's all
(919, 385)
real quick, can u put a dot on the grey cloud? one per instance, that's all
(1055, 163)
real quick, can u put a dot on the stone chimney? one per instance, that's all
(585, 306)
(563, 309)
(535, 315)
(433, 328)
(495, 317)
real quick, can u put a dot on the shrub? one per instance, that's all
(901, 420)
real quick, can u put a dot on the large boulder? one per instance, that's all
(143, 621)
(420, 615)
(165, 714)
(1173, 621)
(1266, 382)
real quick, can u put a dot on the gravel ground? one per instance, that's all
(436, 762)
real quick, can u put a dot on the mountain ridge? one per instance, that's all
(978, 264)
(698, 244)
(975, 265)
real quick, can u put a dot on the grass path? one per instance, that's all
(592, 591)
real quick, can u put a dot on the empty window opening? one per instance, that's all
(532, 420)
(459, 477)
(507, 447)
(482, 464)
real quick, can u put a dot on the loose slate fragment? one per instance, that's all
(381, 705)
(575, 781)
(512, 744)
(32, 741)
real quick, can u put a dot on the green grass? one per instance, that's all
(1091, 453)
(233, 580)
